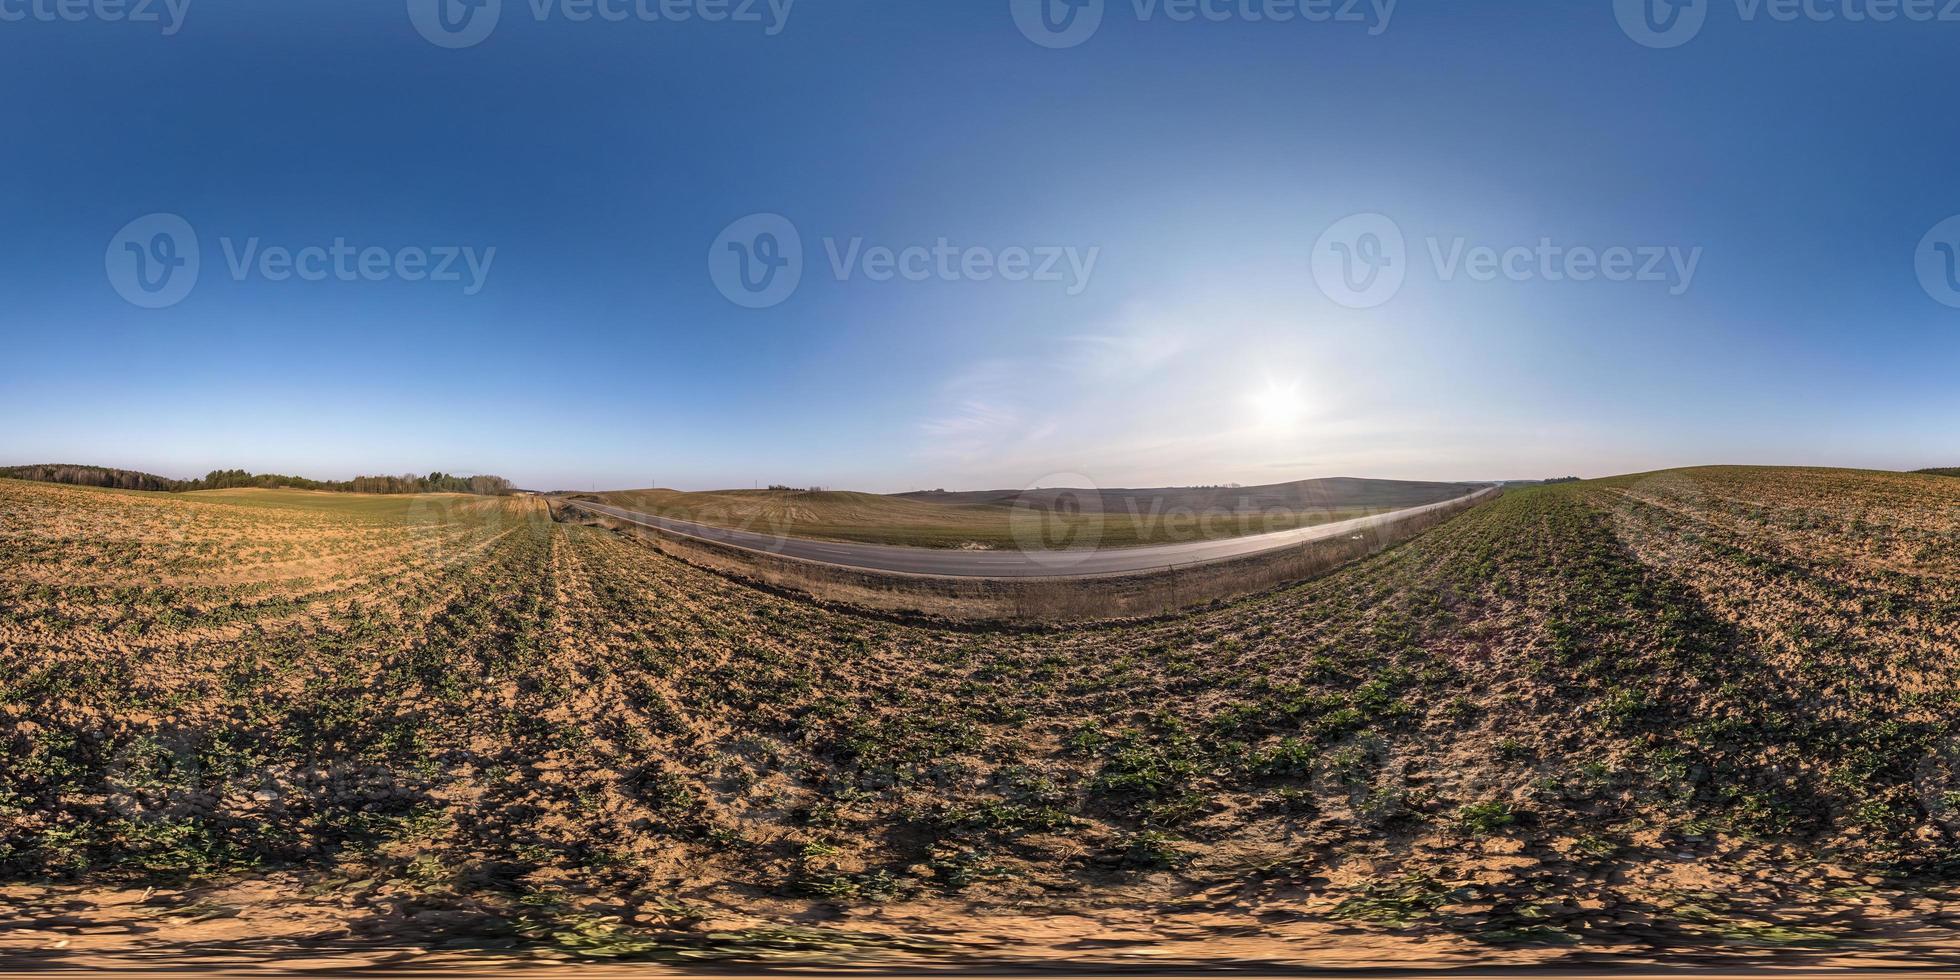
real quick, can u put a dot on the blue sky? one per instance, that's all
(1183, 177)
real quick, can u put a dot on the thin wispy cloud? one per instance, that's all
(1247, 398)
(1008, 414)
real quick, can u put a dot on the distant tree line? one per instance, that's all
(103, 476)
(1563, 479)
(483, 486)
(90, 476)
(1942, 471)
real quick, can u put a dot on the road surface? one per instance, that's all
(955, 563)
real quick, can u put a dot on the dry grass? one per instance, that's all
(1702, 713)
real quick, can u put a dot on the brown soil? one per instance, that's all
(1701, 718)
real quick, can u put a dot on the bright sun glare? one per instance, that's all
(1278, 407)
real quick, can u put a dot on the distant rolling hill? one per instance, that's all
(1335, 493)
(1000, 518)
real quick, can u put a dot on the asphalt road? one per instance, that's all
(954, 563)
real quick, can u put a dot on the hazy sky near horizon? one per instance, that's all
(1137, 258)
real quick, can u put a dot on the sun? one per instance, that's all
(1277, 407)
